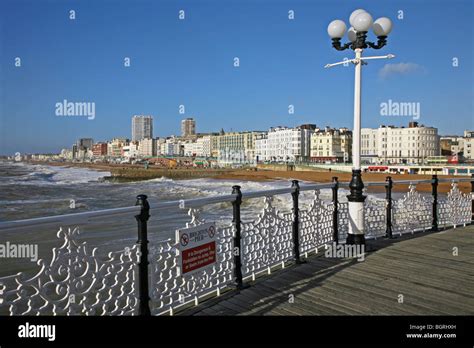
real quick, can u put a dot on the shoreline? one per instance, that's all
(127, 173)
(136, 172)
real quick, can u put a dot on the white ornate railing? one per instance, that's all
(412, 213)
(80, 280)
(375, 218)
(77, 280)
(266, 241)
(316, 227)
(456, 209)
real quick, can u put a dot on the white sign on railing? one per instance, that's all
(197, 247)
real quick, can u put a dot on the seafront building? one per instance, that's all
(399, 145)
(454, 145)
(189, 148)
(199, 145)
(171, 147)
(142, 127)
(236, 148)
(468, 150)
(130, 151)
(99, 149)
(202, 146)
(114, 147)
(451, 145)
(371, 145)
(331, 145)
(215, 141)
(147, 147)
(282, 144)
(261, 148)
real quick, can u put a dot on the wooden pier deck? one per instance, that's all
(413, 275)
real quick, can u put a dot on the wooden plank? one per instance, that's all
(335, 306)
(377, 299)
(454, 283)
(429, 261)
(391, 294)
(371, 305)
(465, 255)
(428, 293)
(413, 268)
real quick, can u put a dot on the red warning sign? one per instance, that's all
(198, 257)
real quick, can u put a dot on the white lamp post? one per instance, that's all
(361, 21)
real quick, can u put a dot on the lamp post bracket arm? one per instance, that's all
(388, 56)
(339, 63)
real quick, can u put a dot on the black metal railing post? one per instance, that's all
(296, 220)
(142, 218)
(472, 197)
(388, 209)
(434, 192)
(237, 250)
(335, 201)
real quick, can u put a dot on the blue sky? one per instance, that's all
(190, 62)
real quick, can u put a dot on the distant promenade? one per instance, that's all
(129, 172)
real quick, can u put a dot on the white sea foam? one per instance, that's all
(51, 175)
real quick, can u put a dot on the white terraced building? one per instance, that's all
(148, 147)
(171, 147)
(282, 144)
(468, 149)
(261, 149)
(395, 145)
(201, 147)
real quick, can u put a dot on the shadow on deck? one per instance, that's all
(414, 275)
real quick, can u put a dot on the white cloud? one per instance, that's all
(399, 68)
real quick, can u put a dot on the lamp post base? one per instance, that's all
(356, 200)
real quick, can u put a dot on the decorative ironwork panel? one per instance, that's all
(76, 281)
(343, 220)
(455, 209)
(315, 224)
(375, 217)
(268, 240)
(170, 289)
(412, 213)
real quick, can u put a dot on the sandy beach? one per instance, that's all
(321, 177)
